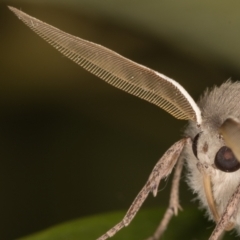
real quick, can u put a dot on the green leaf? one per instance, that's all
(189, 224)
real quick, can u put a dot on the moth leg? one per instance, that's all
(161, 170)
(174, 205)
(207, 171)
(229, 212)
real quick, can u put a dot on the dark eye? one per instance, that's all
(226, 161)
(194, 144)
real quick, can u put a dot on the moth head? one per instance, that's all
(219, 134)
(213, 150)
(222, 147)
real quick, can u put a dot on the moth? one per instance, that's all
(210, 147)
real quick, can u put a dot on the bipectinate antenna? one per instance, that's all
(118, 71)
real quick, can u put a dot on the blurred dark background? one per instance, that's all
(71, 145)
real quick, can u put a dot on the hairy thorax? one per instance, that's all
(216, 106)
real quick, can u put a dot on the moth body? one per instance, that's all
(213, 163)
(216, 106)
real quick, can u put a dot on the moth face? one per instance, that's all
(211, 148)
(218, 175)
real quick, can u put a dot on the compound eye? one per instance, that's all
(226, 161)
(194, 145)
